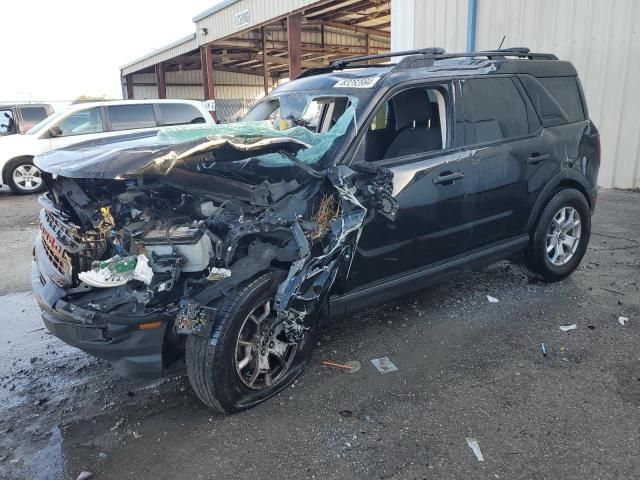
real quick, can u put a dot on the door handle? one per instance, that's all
(448, 177)
(536, 158)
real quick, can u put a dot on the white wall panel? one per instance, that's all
(429, 23)
(601, 38)
(221, 23)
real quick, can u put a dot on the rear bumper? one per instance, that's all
(132, 352)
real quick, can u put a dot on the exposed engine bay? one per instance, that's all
(156, 243)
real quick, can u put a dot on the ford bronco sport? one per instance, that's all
(348, 186)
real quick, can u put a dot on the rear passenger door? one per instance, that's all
(502, 134)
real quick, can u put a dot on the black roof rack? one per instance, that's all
(426, 56)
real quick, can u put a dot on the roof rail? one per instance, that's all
(340, 64)
(426, 56)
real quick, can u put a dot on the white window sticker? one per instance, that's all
(367, 82)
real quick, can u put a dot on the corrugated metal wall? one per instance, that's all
(180, 47)
(429, 23)
(222, 24)
(600, 37)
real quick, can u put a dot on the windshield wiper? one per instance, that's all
(314, 173)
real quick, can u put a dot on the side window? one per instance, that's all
(31, 116)
(179, 114)
(381, 120)
(81, 123)
(565, 91)
(130, 117)
(494, 110)
(411, 122)
(7, 122)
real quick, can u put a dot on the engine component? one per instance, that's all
(187, 241)
(118, 271)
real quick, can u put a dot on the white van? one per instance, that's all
(88, 121)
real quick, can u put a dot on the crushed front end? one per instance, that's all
(138, 243)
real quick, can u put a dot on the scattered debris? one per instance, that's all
(543, 349)
(591, 327)
(353, 365)
(349, 367)
(568, 328)
(612, 291)
(346, 413)
(492, 299)
(475, 446)
(218, 274)
(623, 320)
(118, 424)
(84, 475)
(384, 365)
(136, 434)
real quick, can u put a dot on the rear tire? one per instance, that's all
(213, 363)
(560, 237)
(23, 177)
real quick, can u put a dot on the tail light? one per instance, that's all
(598, 147)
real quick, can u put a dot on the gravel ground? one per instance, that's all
(467, 368)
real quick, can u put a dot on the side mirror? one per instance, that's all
(55, 131)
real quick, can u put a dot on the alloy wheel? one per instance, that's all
(263, 354)
(563, 236)
(27, 177)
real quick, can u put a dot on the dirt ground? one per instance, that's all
(467, 368)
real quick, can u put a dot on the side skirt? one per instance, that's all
(417, 279)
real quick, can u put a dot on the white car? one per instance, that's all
(89, 121)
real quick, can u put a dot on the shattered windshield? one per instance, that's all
(305, 126)
(313, 122)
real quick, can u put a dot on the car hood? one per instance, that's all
(238, 146)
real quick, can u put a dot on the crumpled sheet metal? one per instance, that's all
(310, 279)
(160, 152)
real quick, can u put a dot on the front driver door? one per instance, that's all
(430, 186)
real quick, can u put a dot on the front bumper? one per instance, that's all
(133, 353)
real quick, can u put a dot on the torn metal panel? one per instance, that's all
(203, 212)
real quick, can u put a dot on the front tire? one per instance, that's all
(247, 359)
(23, 177)
(561, 235)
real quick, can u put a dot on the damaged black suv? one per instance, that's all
(348, 186)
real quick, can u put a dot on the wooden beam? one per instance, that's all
(206, 59)
(351, 28)
(160, 80)
(294, 37)
(284, 61)
(265, 67)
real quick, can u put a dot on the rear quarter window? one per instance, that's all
(565, 91)
(556, 99)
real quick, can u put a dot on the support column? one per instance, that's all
(206, 59)
(128, 80)
(367, 43)
(160, 80)
(294, 38)
(265, 67)
(206, 65)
